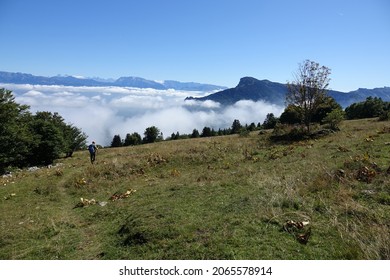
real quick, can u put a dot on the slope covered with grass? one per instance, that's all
(225, 197)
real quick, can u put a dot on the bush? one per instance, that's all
(285, 132)
(244, 132)
(291, 115)
(385, 116)
(334, 118)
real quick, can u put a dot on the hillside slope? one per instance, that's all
(225, 197)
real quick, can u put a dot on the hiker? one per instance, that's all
(92, 151)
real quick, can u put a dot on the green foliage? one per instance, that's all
(74, 138)
(291, 115)
(309, 89)
(48, 138)
(116, 141)
(195, 134)
(252, 127)
(334, 118)
(236, 127)
(27, 139)
(286, 132)
(132, 139)
(270, 121)
(244, 132)
(327, 105)
(58, 136)
(294, 114)
(175, 136)
(206, 132)
(15, 137)
(385, 116)
(151, 134)
(370, 108)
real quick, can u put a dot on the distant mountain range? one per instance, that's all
(252, 89)
(136, 82)
(247, 89)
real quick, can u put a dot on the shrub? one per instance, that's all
(285, 132)
(334, 118)
(385, 116)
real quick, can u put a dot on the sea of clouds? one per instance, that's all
(102, 112)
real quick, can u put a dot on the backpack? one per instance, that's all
(91, 148)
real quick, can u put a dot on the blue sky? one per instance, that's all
(208, 41)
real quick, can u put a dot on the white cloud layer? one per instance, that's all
(102, 112)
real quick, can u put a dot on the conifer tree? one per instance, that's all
(116, 141)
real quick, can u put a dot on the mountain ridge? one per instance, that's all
(250, 88)
(137, 82)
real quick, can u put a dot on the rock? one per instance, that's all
(8, 174)
(33, 168)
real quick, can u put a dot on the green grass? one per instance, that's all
(211, 198)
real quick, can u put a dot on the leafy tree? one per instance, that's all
(270, 121)
(309, 89)
(27, 139)
(116, 141)
(75, 139)
(132, 139)
(49, 142)
(72, 138)
(292, 114)
(15, 137)
(236, 127)
(327, 105)
(151, 134)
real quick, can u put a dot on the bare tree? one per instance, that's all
(309, 89)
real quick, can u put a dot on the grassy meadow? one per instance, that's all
(227, 197)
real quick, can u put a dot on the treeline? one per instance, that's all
(372, 107)
(153, 134)
(33, 139)
(330, 110)
(207, 131)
